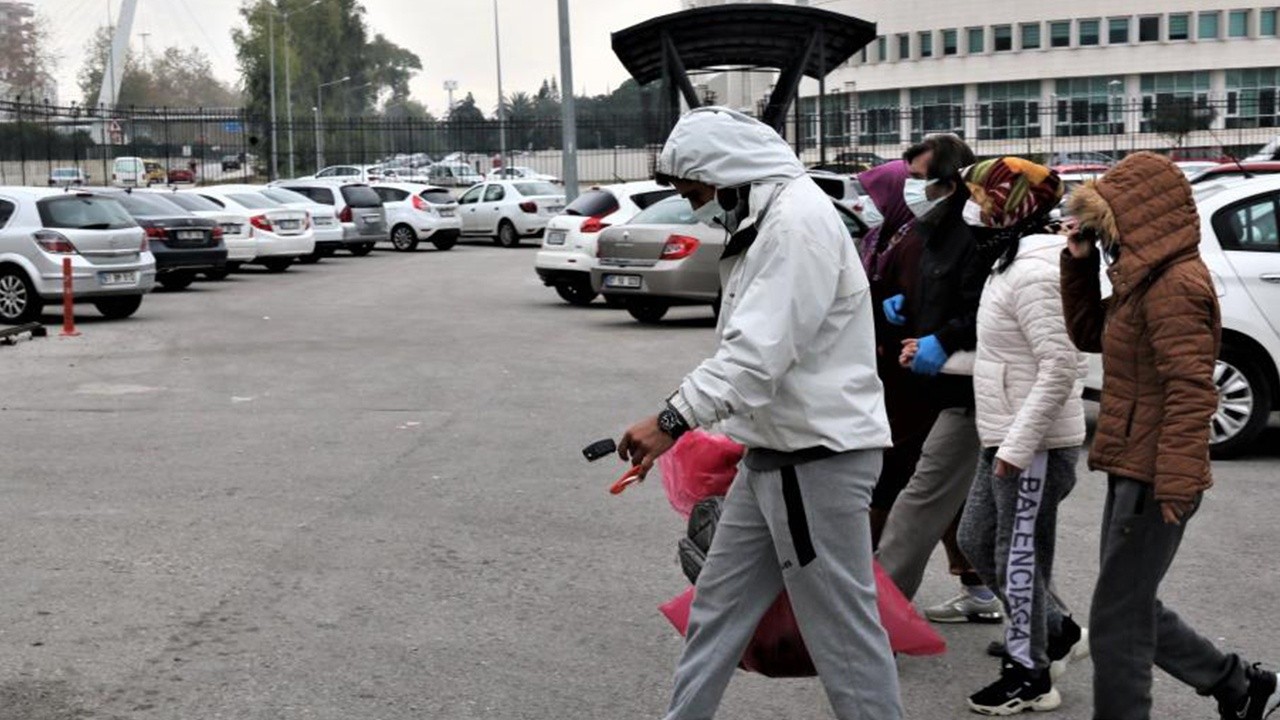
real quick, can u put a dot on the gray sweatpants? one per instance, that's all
(932, 499)
(1008, 532)
(1130, 629)
(804, 528)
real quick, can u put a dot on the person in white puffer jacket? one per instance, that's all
(1028, 381)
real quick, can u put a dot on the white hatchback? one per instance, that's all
(324, 220)
(1240, 244)
(568, 252)
(111, 265)
(510, 209)
(419, 212)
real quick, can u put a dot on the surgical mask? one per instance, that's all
(871, 214)
(711, 213)
(914, 192)
(972, 214)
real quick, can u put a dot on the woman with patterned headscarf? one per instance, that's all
(1027, 383)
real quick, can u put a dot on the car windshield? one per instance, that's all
(253, 200)
(140, 205)
(189, 202)
(674, 210)
(282, 195)
(437, 197)
(529, 189)
(361, 196)
(83, 212)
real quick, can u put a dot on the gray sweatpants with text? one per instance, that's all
(805, 529)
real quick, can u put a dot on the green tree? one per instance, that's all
(1178, 117)
(135, 84)
(174, 78)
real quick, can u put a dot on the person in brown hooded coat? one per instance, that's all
(1159, 334)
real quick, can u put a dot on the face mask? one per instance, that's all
(711, 214)
(871, 214)
(972, 214)
(914, 193)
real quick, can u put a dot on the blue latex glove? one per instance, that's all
(930, 357)
(893, 310)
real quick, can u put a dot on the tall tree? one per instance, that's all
(28, 62)
(174, 78)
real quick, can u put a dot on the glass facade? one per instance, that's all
(1060, 34)
(1251, 98)
(1166, 92)
(937, 109)
(879, 113)
(1088, 106)
(1089, 32)
(1009, 110)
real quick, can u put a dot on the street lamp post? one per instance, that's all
(275, 136)
(315, 111)
(502, 128)
(320, 113)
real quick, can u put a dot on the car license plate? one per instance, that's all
(446, 213)
(371, 219)
(190, 234)
(118, 278)
(622, 281)
(554, 209)
(556, 237)
(289, 224)
(231, 229)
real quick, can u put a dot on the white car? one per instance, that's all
(284, 234)
(1192, 168)
(111, 265)
(514, 172)
(1266, 153)
(568, 252)
(420, 212)
(510, 210)
(242, 246)
(454, 174)
(324, 220)
(348, 173)
(1240, 243)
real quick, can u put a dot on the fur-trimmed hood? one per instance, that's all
(1145, 204)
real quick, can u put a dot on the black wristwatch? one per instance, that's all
(672, 423)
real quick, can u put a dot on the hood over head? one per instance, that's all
(726, 149)
(1145, 204)
(884, 186)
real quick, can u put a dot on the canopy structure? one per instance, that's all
(798, 41)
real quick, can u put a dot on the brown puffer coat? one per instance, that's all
(1159, 332)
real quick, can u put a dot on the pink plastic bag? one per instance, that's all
(777, 649)
(701, 465)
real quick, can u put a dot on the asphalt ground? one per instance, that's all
(353, 491)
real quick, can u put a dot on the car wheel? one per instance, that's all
(404, 239)
(176, 280)
(278, 265)
(1244, 404)
(19, 302)
(217, 274)
(577, 293)
(118, 308)
(445, 243)
(507, 235)
(649, 312)
(361, 250)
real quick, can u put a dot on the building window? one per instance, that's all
(882, 49)
(937, 109)
(1003, 38)
(1031, 36)
(1089, 31)
(977, 41)
(1089, 106)
(1209, 29)
(926, 44)
(1267, 26)
(950, 43)
(1238, 24)
(1149, 29)
(1009, 110)
(1252, 98)
(1180, 27)
(877, 118)
(1164, 94)
(864, 55)
(1118, 31)
(1060, 34)
(904, 46)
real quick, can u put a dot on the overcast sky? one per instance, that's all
(454, 38)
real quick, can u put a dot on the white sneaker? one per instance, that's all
(966, 608)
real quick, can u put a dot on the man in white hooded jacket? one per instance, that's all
(793, 379)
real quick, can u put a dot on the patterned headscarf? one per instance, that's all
(1010, 191)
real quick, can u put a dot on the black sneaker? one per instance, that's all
(1262, 700)
(1064, 649)
(1018, 690)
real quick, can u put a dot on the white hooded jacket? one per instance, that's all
(795, 368)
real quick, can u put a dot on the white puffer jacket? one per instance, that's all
(1028, 377)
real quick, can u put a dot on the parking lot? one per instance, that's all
(354, 491)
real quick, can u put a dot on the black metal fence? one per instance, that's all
(37, 138)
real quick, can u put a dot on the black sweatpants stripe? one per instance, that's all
(796, 518)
